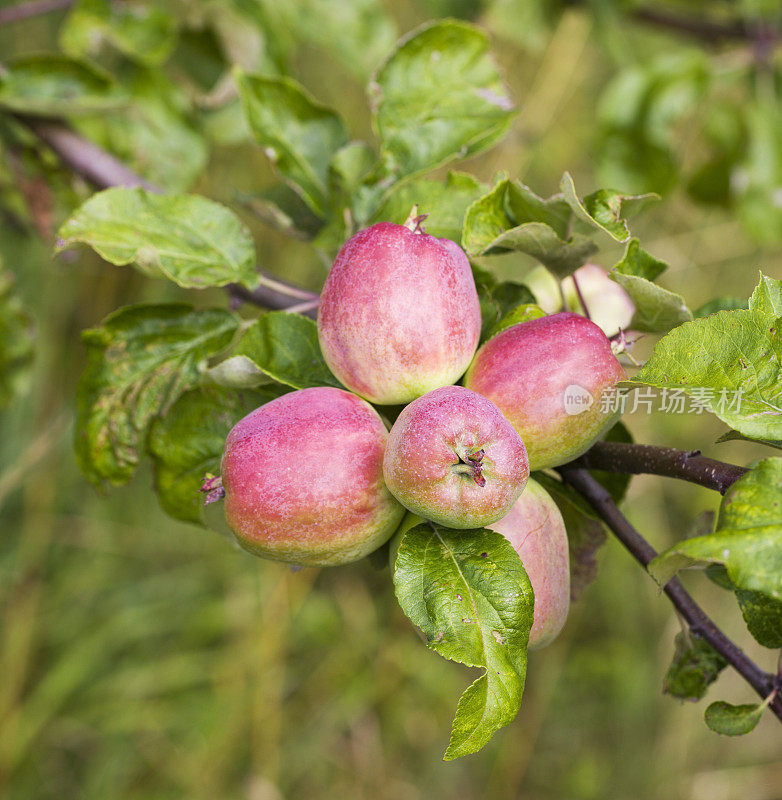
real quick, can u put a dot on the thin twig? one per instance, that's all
(710, 31)
(32, 9)
(638, 459)
(105, 171)
(580, 295)
(266, 297)
(700, 624)
(309, 308)
(698, 27)
(85, 158)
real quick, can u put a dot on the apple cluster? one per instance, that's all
(315, 477)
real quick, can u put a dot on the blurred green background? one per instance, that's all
(143, 658)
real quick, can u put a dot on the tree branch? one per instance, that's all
(105, 171)
(32, 9)
(710, 31)
(698, 27)
(700, 624)
(637, 459)
(82, 156)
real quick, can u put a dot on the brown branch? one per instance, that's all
(93, 163)
(698, 27)
(700, 624)
(32, 9)
(637, 459)
(104, 171)
(710, 31)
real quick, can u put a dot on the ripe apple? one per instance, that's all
(535, 528)
(454, 459)
(303, 479)
(607, 304)
(547, 376)
(399, 313)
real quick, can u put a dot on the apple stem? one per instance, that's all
(472, 467)
(212, 487)
(414, 220)
(580, 297)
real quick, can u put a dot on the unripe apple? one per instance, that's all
(607, 304)
(454, 459)
(399, 314)
(535, 528)
(303, 479)
(547, 376)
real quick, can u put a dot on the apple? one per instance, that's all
(536, 530)
(399, 313)
(303, 479)
(607, 304)
(453, 458)
(547, 377)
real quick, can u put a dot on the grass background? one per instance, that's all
(143, 658)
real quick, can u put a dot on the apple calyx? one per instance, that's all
(473, 467)
(212, 487)
(414, 220)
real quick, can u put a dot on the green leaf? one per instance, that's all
(521, 313)
(719, 304)
(732, 436)
(193, 241)
(154, 134)
(486, 220)
(767, 296)
(139, 362)
(299, 135)
(731, 720)
(657, 310)
(524, 205)
(349, 167)
(144, 32)
(497, 299)
(585, 532)
(730, 362)
(17, 332)
(717, 573)
(446, 203)
(763, 615)
(469, 594)
(510, 217)
(189, 440)
(237, 372)
(539, 241)
(636, 261)
(605, 209)
(438, 97)
(747, 537)
(285, 347)
(694, 667)
(56, 86)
